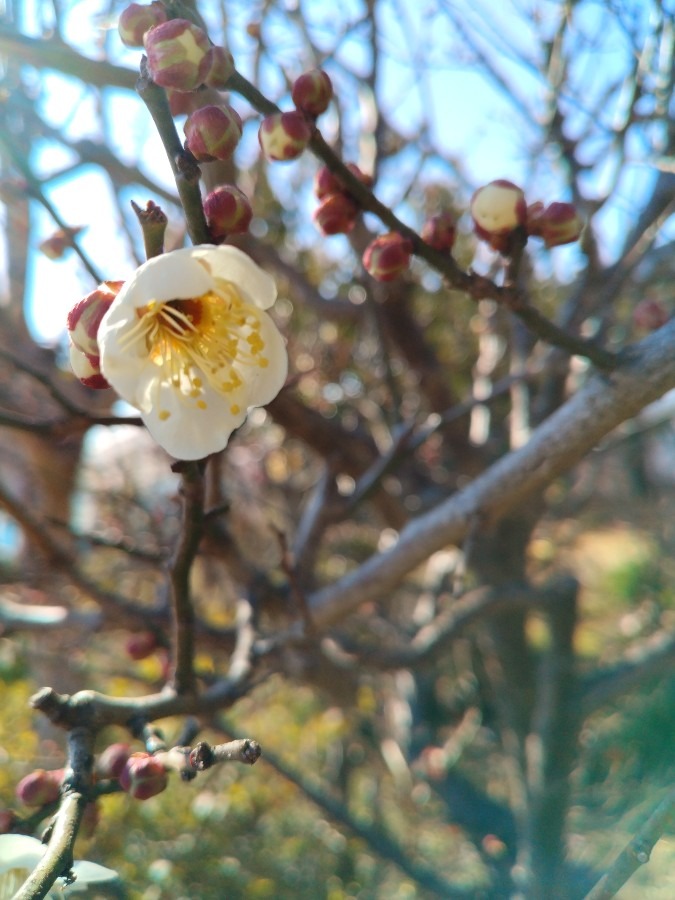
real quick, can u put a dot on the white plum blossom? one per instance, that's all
(19, 856)
(188, 343)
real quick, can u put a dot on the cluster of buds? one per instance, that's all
(180, 56)
(388, 256)
(83, 323)
(557, 223)
(284, 136)
(500, 212)
(141, 774)
(337, 211)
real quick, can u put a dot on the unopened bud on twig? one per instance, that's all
(497, 209)
(284, 136)
(136, 19)
(439, 231)
(227, 210)
(213, 132)
(143, 776)
(312, 92)
(178, 54)
(388, 256)
(40, 787)
(336, 214)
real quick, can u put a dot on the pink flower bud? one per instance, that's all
(221, 68)
(312, 92)
(387, 256)
(325, 182)
(227, 211)
(112, 760)
(650, 314)
(497, 210)
(284, 136)
(87, 368)
(143, 776)
(439, 231)
(336, 214)
(85, 317)
(178, 54)
(8, 819)
(212, 132)
(182, 103)
(40, 787)
(558, 224)
(136, 19)
(141, 645)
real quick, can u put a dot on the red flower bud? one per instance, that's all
(212, 132)
(85, 317)
(112, 760)
(87, 368)
(221, 68)
(178, 54)
(227, 211)
(650, 314)
(439, 231)
(284, 136)
(312, 92)
(136, 19)
(182, 103)
(336, 214)
(325, 182)
(558, 224)
(143, 776)
(141, 645)
(387, 256)
(40, 787)
(497, 210)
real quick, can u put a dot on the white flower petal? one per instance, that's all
(263, 384)
(19, 851)
(196, 433)
(231, 264)
(170, 276)
(89, 873)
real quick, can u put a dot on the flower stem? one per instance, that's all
(192, 490)
(183, 165)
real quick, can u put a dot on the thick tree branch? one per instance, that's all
(646, 373)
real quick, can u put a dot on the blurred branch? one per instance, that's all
(375, 838)
(636, 852)
(54, 54)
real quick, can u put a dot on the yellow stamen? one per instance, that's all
(200, 340)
